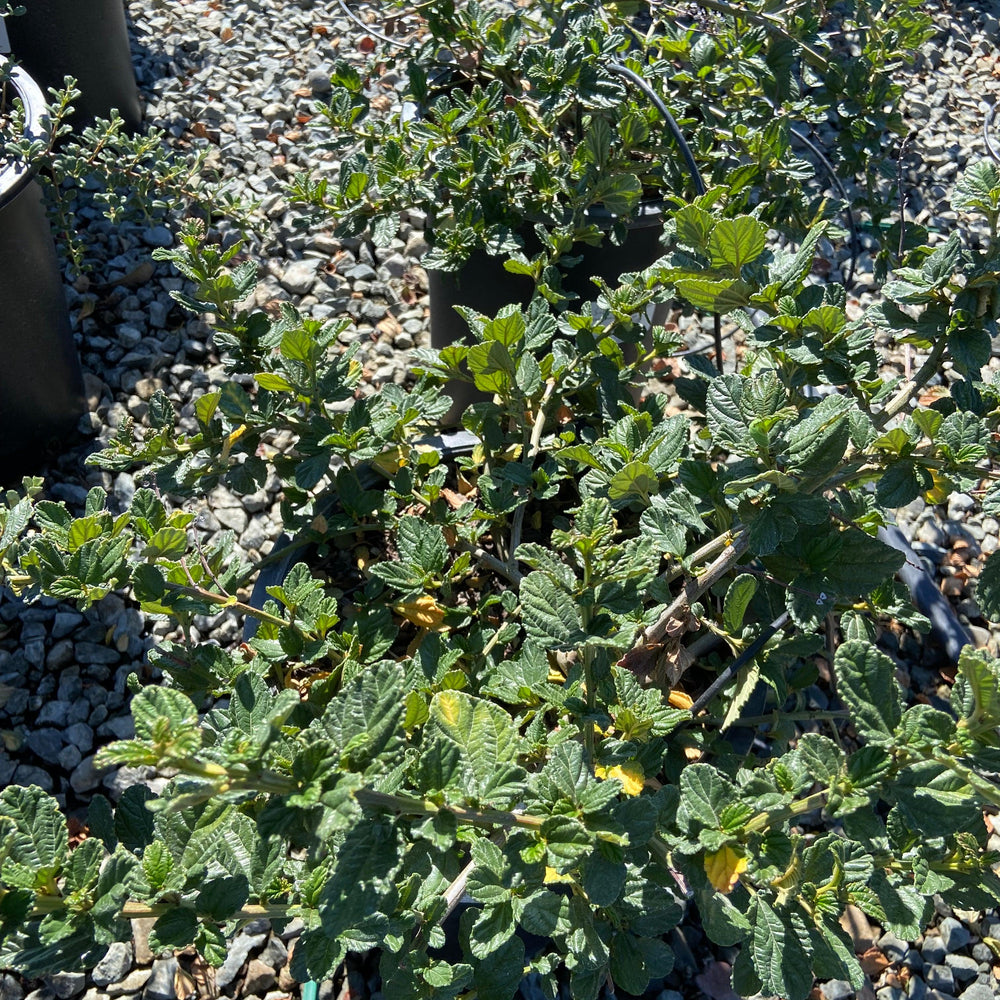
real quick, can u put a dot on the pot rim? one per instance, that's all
(16, 173)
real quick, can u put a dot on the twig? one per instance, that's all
(902, 398)
(695, 587)
(497, 565)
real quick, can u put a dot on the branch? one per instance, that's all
(902, 398)
(695, 587)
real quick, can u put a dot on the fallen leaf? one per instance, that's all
(226, 34)
(862, 931)
(367, 44)
(198, 129)
(678, 699)
(873, 962)
(453, 499)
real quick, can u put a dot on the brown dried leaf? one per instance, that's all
(226, 35)
(862, 931)
(873, 962)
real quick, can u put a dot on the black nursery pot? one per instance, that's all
(41, 384)
(85, 39)
(483, 284)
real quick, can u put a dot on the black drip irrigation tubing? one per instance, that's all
(689, 162)
(950, 632)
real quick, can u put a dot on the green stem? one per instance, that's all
(225, 601)
(407, 806)
(768, 820)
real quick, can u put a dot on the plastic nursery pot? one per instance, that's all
(41, 384)
(483, 284)
(85, 39)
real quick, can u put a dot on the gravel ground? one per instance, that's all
(240, 79)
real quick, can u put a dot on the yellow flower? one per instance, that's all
(424, 612)
(551, 875)
(630, 774)
(724, 867)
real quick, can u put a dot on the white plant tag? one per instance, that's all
(4, 40)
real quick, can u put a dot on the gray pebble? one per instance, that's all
(160, 985)
(239, 951)
(81, 736)
(299, 276)
(26, 774)
(893, 947)
(10, 988)
(46, 743)
(939, 977)
(85, 776)
(891, 993)
(954, 934)
(67, 984)
(130, 985)
(978, 991)
(836, 989)
(933, 950)
(963, 967)
(158, 236)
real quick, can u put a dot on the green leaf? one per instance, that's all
(273, 382)
(866, 682)
(704, 795)
(735, 242)
(174, 930)
(694, 226)
(421, 544)
(988, 588)
(551, 616)
(482, 731)
(101, 821)
(821, 757)
(636, 479)
(737, 600)
(714, 296)
(492, 367)
(899, 484)
(627, 965)
(154, 708)
(816, 444)
(133, 821)
(364, 720)
(779, 958)
(497, 977)
(221, 898)
(37, 838)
